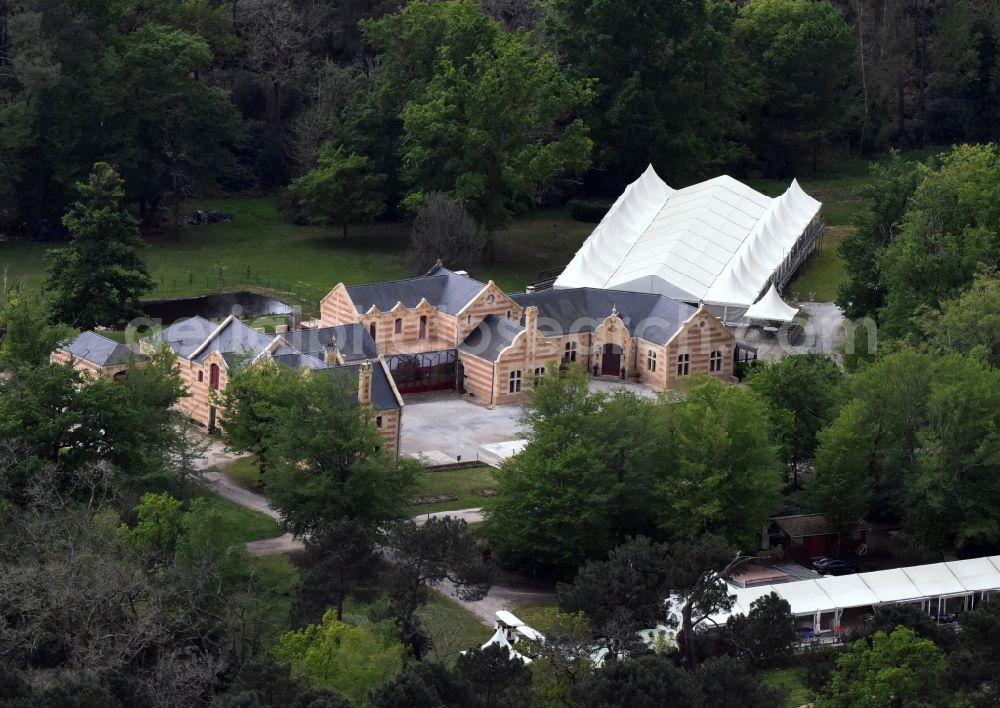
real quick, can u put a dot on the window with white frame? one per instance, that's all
(651, 360)
(569, 353)
(539, 374)
(515, 381)
(715, 361)
(683, 364)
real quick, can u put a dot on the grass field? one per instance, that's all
(825, 271)
(452, 628)
(793, 682)
(462, 484)
(247, 525)
(259, 249)
(246, 472)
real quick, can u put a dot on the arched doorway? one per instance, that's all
(611, 360)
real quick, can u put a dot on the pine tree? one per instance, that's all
(99, 277)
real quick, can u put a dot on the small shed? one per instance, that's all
(807, 536)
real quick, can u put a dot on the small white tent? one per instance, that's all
(771, 308)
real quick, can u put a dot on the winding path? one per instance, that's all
(500, 597)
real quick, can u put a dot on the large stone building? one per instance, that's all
(445, 330)
(208, 351)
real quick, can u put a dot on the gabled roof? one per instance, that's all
(383, 394)
(297, 360)
(353, 341)
(234, 337)
(490, 337)
(184, 336)
(444, 289)
(99, 350)
(655, 318)
(195, 338)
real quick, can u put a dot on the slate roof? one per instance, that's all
(655, 318)
(298, 360)
(99, 350)
(184, 336)
(353, 341)
(809, 525)
(383, 397)
(236, 338)
(446, 290)
(490, 337)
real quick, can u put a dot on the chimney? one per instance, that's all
(531, 318)
(330, 351)
(365, 383)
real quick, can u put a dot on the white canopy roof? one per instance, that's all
(500, 638)
(771, 307)
(911, 584)
(717, 241)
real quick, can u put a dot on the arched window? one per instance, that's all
(213, 376)
(651, 360)
(423, 326)
(372, 329)
(398, 327)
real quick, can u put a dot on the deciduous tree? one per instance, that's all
(895, 669)
(341, 190)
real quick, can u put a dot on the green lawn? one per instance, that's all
(462, 484)
(534, 614)
(793, 681)
(259, 249)
(247, 525)
(452, 628)
(825, 271)
(246, 472)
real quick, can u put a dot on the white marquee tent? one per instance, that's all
(718, 242)
(965, 582)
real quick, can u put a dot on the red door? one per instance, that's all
(213, 377)
(611, 360)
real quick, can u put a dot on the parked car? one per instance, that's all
(833, 566)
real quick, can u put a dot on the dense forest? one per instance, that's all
(368, 107)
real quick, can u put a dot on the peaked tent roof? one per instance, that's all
(771, 307)
(500, 638)
(717, 241)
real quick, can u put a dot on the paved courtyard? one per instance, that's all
(443, 426)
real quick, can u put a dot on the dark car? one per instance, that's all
(833, 566)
